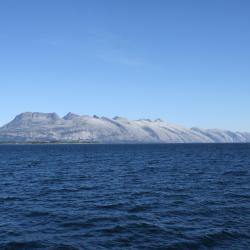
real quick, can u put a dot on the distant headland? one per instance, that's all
(35, 127)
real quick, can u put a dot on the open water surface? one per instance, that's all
(162, 196)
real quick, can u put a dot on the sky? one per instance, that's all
(187, 62)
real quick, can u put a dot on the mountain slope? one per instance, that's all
(50, 127)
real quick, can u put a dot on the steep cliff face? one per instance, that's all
(72, 127)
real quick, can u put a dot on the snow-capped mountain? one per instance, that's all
(83, 128)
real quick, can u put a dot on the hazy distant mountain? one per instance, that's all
(83, 128)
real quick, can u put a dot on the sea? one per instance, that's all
(141, 196)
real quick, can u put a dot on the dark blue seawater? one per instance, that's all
(187, 196)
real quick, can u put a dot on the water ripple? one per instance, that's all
(74, 197)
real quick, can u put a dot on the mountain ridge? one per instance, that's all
(38, 126)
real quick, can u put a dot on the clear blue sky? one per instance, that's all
(184, 61)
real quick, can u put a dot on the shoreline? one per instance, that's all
(119, 143)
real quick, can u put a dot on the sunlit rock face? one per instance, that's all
(84, 128)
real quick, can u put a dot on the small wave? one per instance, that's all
(104, 219)
(236, 173)
(208, 240)
(109, 206)
(75, 224)
(34, 163)
(211, 238)
(114, 230)
(141, 193)
(140, 208)
(65, 247)
(38, 245)
(37, 214)
(153, 162)
(238, 196)
(144, 228)
(86, 188)
(23, 245)
(9, 198)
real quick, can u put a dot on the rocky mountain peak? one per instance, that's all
(70, 116)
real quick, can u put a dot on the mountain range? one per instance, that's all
(49, 127)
